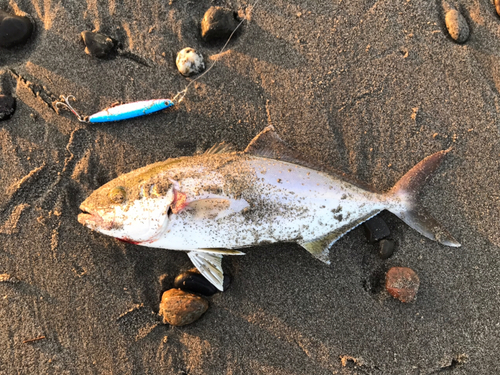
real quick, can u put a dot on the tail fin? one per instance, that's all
(407, 209)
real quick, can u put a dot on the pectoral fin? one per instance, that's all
(210, 266)
(216, 208)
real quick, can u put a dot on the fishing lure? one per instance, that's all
(119, 112)
(136, 109)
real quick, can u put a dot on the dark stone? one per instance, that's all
(457, 26)
(14, 30)
(386, 248)
(376, 229)
(97, 44)
(7, 107)
(218, 23)
(192, 281)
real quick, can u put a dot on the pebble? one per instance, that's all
(6, 278)
(218, 23)
(497, 6)
(195, 282)
(97, 44)
(376, 229)
(189, 62)
(14, 30)
(7, 107)
(386, 248)
(457, 26)
(402, 283)
(179, 308)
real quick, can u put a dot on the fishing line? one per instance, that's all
(141, 108)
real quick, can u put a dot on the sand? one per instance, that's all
(370, 87)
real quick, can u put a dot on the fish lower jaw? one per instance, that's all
(87, 219)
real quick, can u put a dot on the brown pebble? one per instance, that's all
(6, 278)
(179, 308)
(402, 283)
(497, 6)
(457, 26)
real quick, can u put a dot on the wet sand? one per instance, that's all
(369, 87)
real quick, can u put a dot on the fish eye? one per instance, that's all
(118, 195)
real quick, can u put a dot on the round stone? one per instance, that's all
(497, 6)
(179, 308)
(457, 26)
(7, 107)
(98, 44)
(193, 281)
(386, 248)
(14, 30)
(196, 283)
(218, 23)
(189, 62)
(402, 283)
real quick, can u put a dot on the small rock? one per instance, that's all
(386, 248)
(179, 308)
(97, 44)
(402, 283)
(7, 107)
(14, 30)
(457, 26)
(218, 23)
(189, 62)
(6, 278)
(497, 6)
(193, 281)
(376, 229)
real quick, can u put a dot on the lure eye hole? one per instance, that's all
(117, 195)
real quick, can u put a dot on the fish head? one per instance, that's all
(135, 210)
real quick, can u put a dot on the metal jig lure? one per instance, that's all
(146, 107)
(119, 112)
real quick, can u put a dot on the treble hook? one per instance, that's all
(65, 104)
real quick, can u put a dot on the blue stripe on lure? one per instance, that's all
(130, 110)
(119, 112)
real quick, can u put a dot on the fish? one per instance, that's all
(224, 201)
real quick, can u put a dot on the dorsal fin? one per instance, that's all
(219, 148)
(268, 144)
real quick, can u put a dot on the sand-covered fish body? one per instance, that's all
(211, 204)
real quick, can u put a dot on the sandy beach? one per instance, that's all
(367, 87)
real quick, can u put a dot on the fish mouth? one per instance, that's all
(88, 218)
(91, 219)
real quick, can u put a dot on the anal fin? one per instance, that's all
(210, 266)
(320, 247)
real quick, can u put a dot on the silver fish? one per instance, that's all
(212, 204)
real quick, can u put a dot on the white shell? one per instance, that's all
(189, 62)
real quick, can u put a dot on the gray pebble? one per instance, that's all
(457, 26)
(14, 30)
(97, 44)
(386, 248)
(7, 107)
(218, 23)
(189, 62)
(376, 229)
